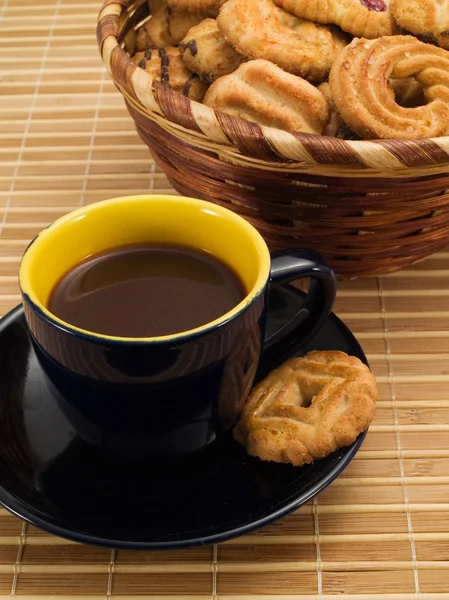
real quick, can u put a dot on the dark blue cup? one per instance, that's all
(174, 394)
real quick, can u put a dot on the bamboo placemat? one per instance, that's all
(382, 529)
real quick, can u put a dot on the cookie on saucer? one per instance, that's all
(308, 408)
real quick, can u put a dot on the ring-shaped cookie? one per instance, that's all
(308, 408)
(359, 81)
(259, 29)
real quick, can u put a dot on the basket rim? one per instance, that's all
(249, 139)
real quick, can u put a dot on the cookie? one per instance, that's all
(205, 51)
(262, 30)
(428, 19)
(335, 121)
(362, 18)
(206, 7)
(362, 92)
(308, 408)
(165, 28)
(261, 92)
(166, 65)
(156, 5)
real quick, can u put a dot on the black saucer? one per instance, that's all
(52, 478)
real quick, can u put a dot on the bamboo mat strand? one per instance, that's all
(381, 530)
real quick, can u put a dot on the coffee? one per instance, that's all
(146, 291)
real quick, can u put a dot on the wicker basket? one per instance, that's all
(369, 207)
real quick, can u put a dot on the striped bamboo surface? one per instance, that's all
(382, 529)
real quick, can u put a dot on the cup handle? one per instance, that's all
(290, 265)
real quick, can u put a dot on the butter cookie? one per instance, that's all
(165, 28)
(427, 19)
(156, 5)
(308, 408)
(362, 18)
(206, 7)
(335, 121)
(363, 94)
(260, 91)
(205, 51)
(166, 65)
(259, 29)
(336, 127)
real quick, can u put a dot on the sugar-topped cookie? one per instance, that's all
(260, 91)
(362, 18)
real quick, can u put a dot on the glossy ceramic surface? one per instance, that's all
(57, 480)
(142, 219)
(187, 387)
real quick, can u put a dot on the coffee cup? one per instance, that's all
(170, 394)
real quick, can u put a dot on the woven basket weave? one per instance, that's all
(368, 206)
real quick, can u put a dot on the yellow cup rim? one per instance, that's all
(26, 266)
